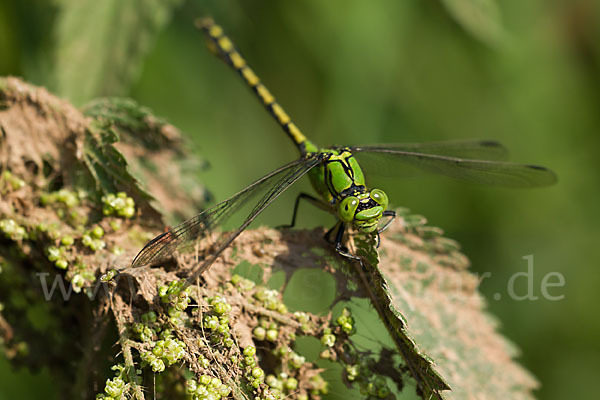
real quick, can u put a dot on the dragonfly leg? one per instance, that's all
(392, 215)
(339, 248)
(328, 234)
(313, 200)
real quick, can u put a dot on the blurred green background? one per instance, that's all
(526, 73)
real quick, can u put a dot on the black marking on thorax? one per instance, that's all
(347, 169)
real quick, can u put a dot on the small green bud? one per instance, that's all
(259, 333)
(191, 386)
(258, 373)
(273, 382)
(114, 387)
(109, 275)
(282, 308)
(205, 380)
(223, 329)
(249, 361)
(137, 327)
(250, 351)
(328, 339)
(115, 224)
(149, 317)
(296, 360)
(291, 384)
(97, 232)
(224, 390)
(272, 335)
(67, 240)
(351, 372)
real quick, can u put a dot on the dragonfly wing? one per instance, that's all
(473, 171)
(185, 236)
(472, 149)
(274, 192)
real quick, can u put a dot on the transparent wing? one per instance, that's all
(184, 237)
(393, 160)
(472, 149)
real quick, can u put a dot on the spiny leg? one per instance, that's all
(311, 199)
(327, 235)
(392, 215)
(339, 248)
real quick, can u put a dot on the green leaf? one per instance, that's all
(108, 168)
(100, 45)
(426, 278)
(106, 164)
(421, 367)
(134, 123)
(132, 128)
(481, 18)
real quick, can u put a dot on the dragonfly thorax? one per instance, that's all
(363, 210)
(342, 174)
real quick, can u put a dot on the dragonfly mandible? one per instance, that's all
(335, 174)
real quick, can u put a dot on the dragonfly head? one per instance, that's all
(363, 210)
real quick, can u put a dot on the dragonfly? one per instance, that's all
(335, 174)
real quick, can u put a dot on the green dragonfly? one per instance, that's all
(335, 174)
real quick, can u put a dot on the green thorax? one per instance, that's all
(338, 176)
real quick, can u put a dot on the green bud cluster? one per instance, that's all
(296, 361)
(166, 352)
(243, 284)
(144, 332)
(9, 182)
(109, 275)
(12, 230)
(58, 256)
(281, 383)
(304, 320)
(375, 387)
(203, 361)
(83, 276)
(115, 224)
(149, 318)
(359, 369)
(318, 385)
(51, 230)
(270, 300)
(346, 321)
(219, 327)
(177, 297)
(93, 238)
(65, 197)
(253, 373)
(266, 330)
(217, 321)
(328, 338)
(219, 305)
(119, 205)
(207, 388)
(117, 387)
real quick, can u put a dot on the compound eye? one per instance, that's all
(379, 197)
(347, 208)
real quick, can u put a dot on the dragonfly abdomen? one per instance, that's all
(222, 46)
